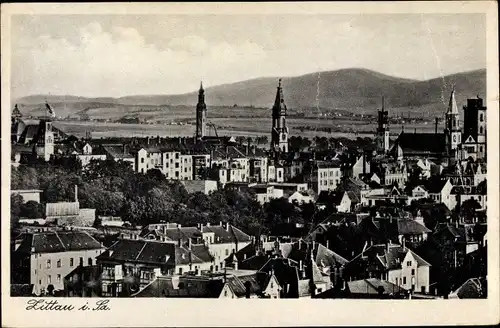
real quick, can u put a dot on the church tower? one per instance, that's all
(44, 143)
(452, 131)
(201, 114)
(382, 137)
(279, 132)
(16, 126)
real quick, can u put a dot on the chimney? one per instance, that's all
(364, 163)
(328, 244)
(436, 125)
(388, 245)
(404, 244)
(220, 223)
(190, 243)
(76, 193)
(227, 227)
(208, 224)
(301, 265)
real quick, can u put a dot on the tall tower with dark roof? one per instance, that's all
(201, 114)
(382, 137)
(16, 125)
(279, 132)
(452, 131)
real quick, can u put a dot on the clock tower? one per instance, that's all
(453, 131)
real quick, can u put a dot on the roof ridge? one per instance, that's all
(60, 240)
(143, 246)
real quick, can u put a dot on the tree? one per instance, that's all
(16, 201)
(32, 210)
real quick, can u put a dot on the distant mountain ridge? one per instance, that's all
(351, 89)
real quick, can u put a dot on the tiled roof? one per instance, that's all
(472, 288)
(202, 252)
(465, 232)
(284, 273)
(221, 234)
(141, 251)
(239, 235)
(372, 285)
(30, 132)
(117, 151)
(185, 256)
(411, 227)
(185, 288)
(57, 241)
(325, 256)
(422, 143)
(239, 284)
(386, 256)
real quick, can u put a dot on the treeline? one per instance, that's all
(114, 189)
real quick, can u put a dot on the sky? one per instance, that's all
(120, 55)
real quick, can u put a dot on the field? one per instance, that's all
(341, 127)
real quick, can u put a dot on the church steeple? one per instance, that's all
(382, 136)
(453, 131)
(452, 105)
(201, 113)
(279, 132)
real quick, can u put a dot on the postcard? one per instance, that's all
(303, 163)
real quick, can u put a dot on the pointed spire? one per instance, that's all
(16, 112)
(452, 106)
(280, 101)
(201, 86)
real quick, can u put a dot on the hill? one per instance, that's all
(348, 89)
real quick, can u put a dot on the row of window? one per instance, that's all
(49, 279)
(325, 174)
(71, 262)
(329, 182)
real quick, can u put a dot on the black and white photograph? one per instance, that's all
(329, 156)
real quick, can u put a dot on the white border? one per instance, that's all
(169, 312)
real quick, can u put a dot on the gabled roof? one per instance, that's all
(57, 241)
(239, 284)
(202, 252)
(472, 288)
(411, 227)
(325, 256)
(387, 257)
(141, 251)
(184, 256)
